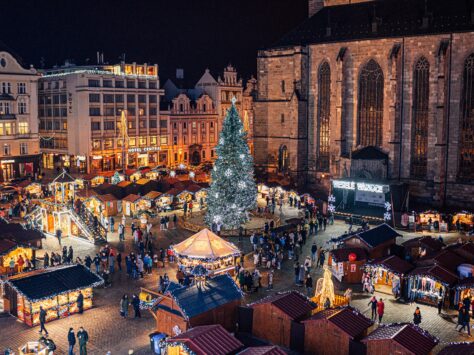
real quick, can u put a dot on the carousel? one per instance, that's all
(207, 249)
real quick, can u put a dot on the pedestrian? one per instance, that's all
(270, 280)
(46, 260)
(314, 249)
(373, 305)
(417, 316)
(460, 315)
(380, 309)
(124, 304)
(71, 339)
(136, 306)
(440, 304)
(42, 320)
(119, 260)
(465, 321)
(70, 255)
(58, 235)
(112, 224)
(83, 338)
(80, 302)
(322, 258)
(121, 232)
(309, 285)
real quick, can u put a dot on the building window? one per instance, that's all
(132, 142)
(6, 149)
(212, 153)
(132, 124)
(142, 99)
(153, 111)
(130, 98)
(175, 140)
(5, 108)
(6, 88)
(193, 138)
(163, 140)
(23, 148)
(153, 124)
(119, 84)
(94, 98)
(109, 125)
(130, 84)
(211, 125)
(108, 98)
(181, 107)
(185, 125)
(370, 110)
(95, 126)
(22, 88)
(142, 124)
(22, 108)
(118, 98)
(153, 140)
(9, 128)
(203, 154)
(211, 138)
(175, 125)
(466, 146)
(283, 158)
(184, 140)
(324, 109)
(108, 144)
(96, 144)
(107, 83)
(185, 156)
(282, 86)
(94, 83)
(164, 124)
(175, 157)
(142, 141)
(421, 82)
(282, 118)
(23, 128)
(94, 111)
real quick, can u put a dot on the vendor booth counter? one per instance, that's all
(55, 289)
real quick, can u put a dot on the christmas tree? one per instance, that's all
(233, 192)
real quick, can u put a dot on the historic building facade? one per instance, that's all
(394, 76)
(80, 111)
(19, 140)
(195, 114)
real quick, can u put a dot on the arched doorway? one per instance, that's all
(195, 158)
(283, 159)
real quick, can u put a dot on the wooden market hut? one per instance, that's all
(12, 250)
(182, 308)
(458, 348)
(263, 350)
(400, 339)
(465, 250)
(347, 264)
(388, 274)
(207, 249)
(445, 258)
(204, 340)
(110, 189)
(421, 246)
(277, 316)
(107, 204)
(17, 233)
(150, 199)
(378, 241)
(130, 205)
(335, 331)
(56, 289)
(146, 185)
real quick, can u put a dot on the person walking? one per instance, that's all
(58, 235)
(83, 338)
(465, 321)
(80, 302)
(417, 316)
(112, 224)
(71, 339)
(314, 249)
(309, 285)
(270, 280)
(124, 303)
(42, 320)
(136, 306)
(373, 305)
(380, 309)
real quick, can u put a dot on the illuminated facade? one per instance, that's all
(19, 141)
(195, 115)
(80, 111)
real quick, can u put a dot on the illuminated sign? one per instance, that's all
(347, 185)
(97, 157)
(143, 150)
(360, 186)
(369, 187)
(8, 161)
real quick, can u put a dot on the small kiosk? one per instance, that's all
(150, 199)
(206, 248)
(130, 205)
(106, 205)
(464, 220)
(63, 188)
(9, 250)
(55, 289)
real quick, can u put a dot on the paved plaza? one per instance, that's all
(109, 332)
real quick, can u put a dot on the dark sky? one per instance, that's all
(192, 34)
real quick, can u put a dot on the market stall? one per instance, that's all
(34, 189)
(429, 220)
(55, 289)
(150, 200)
(387, 275)
(130, 205)
(11, 250)
(431, 284)
(63, 188)
(463, 221)
(463, 289)
(206, 248)
(106, 205)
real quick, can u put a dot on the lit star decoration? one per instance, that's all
(388, 206)
(331, 198)
(387, 216)
(331, 208)
(232, 176)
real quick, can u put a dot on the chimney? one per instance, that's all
(314, 6)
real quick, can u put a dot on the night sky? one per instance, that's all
(191, 34)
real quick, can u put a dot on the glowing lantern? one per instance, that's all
(352, 257)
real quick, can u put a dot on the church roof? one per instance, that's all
(382, 19)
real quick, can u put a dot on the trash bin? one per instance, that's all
(156, 342)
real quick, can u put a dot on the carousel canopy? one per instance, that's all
(205, 245)
(64, 177)
(44, 284)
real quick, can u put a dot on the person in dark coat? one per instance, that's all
(71, 339)
(83, 338)
(42, 320)
(80, 302)
(417, 316)
(373, 306)
(136, 306)
(465, 321)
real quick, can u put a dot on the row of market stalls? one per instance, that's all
(422, 269)
(435, 221)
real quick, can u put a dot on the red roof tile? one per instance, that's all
(409, 336)
(208, 340)
(263, 350)
(292, 303)
(348, 319)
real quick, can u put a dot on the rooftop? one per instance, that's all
(293, 304)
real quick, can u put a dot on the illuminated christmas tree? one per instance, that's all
(233, 192)
(325, 289)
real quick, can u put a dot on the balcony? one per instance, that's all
(26, 135)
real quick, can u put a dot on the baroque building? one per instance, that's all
(19, 140)
(196, 112)
(374, 90)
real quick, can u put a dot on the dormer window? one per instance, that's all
(204, 107)
(181, 108)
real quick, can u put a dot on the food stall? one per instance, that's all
(106, 205)
(130, 205)
(427, 217)
(207, 249)
(463, 289)
(464, 219)
(34, 189)
(430, 284)
(387, 275)
(55, 289)
(149, 200)
(9, 250)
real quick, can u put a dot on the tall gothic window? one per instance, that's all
(324, 101)
(466, 148)
(370, 110)
(283, 158)
(419, 142)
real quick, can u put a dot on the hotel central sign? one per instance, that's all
(144, 150)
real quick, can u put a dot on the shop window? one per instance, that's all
(6, 149)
